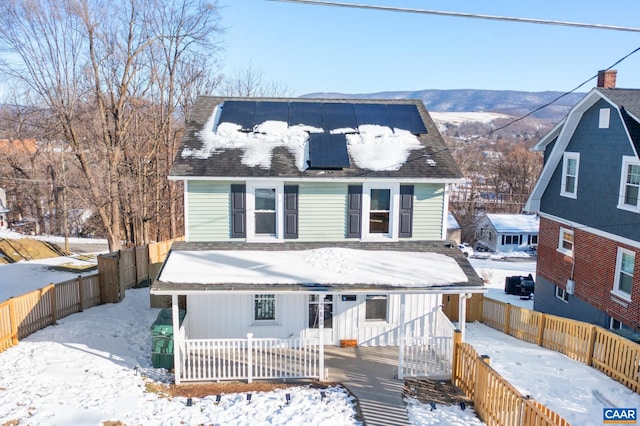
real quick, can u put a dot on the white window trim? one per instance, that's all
(374, 322)
(626, 162)
(616, 282)
(251, 211)
(252, 309)
(565, 157)
(604, 118)
(394, 214)
(560, 248)
(562, 294)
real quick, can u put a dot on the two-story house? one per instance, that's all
(587, 199)
(311, 219)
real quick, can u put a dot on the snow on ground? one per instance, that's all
(82, 372)
(458, 118)
(494, 271)
(22, 277)
(577, 392)
(12, 235)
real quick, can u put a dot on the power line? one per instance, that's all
(463, 15)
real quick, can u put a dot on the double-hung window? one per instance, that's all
(629, 184)
(625, 265)
(380, 211)
(264, 211)
(570, 167)
(565, 242)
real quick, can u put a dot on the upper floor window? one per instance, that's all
(570, 165)
(565, 243)
(629, 184)
(605, 115)
(625, 265)
(380, 206)
(264, 211)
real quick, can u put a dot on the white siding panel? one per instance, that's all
(226, 316)
(427, 211)
(322, 211)
(208, 211)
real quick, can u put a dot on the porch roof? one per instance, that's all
(353, 266)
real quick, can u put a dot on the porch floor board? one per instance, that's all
(369, 373)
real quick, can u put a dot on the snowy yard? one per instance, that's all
(83, 371)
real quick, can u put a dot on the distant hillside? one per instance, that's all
(508, 102)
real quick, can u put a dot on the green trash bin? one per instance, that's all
(162, 338)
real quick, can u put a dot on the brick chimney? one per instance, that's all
(607, 79)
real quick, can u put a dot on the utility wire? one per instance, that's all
(463, 15)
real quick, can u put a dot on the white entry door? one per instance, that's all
(314, 317)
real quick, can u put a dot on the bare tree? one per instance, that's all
(93, 66)
(249, 81)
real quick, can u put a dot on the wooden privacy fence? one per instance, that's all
(610, 353)
(23, 315)
(495, 400)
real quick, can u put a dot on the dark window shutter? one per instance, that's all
(354, 211)
(503, 240)
(238, 211)
(406, 211)
(291, 211)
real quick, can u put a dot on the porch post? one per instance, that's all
(321, 337)
(401, 338)
(462, 312)
(177, 341)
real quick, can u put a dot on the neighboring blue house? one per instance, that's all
(507, 232)
(588, 201)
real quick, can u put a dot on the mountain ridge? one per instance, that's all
(510, 102)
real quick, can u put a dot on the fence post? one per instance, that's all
(592, 344)
(249, 358)
(540, 340)
(486, 359)
(507, 318)
(13, 319)
(52, 289)
(455, 359)
(80, 294)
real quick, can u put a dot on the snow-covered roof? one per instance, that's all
(219, 145)
(504, 223)
(452, 223)
(295, 269)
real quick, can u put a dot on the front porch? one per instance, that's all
(201, 360)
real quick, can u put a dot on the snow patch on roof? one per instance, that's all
(371, 147)
(380, 148)
(515, 222)
(332, 265)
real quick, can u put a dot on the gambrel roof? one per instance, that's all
(261, 138)
(627, 104)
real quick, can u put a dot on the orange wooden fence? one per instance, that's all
(495, 400)
(610, 353)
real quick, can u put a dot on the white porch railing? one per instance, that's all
(247, 359)
(427, 357)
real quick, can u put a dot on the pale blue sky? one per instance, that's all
(311, 48)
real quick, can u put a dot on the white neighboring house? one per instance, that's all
(3, 210)
(507, 232)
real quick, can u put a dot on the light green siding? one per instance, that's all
(208, 210)
(427, 211)
(322, 211)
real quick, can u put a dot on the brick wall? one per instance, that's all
(594, 274)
